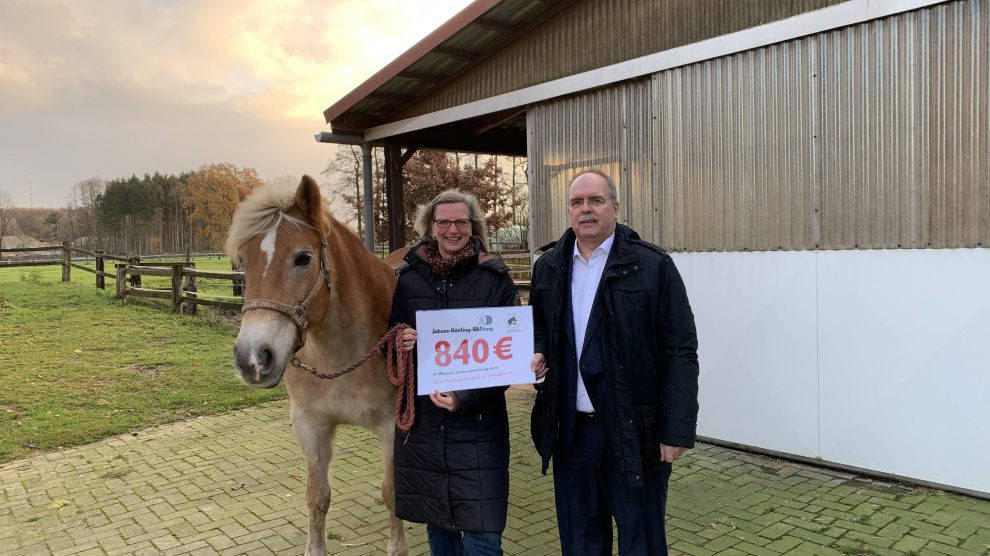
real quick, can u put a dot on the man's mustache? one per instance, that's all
(587, 218)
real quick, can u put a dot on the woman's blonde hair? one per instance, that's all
(479, 225)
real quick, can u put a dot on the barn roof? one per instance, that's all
(467, 85)
(468, 38)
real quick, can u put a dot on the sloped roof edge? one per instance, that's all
(460, 20)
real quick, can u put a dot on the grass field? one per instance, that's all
(78, 365)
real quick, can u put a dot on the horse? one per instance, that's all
(315, 297)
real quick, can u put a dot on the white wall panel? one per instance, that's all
(873, 359)
(755, 314)
(905, 362)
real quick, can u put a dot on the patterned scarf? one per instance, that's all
(441, 266)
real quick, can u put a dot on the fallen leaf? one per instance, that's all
(59, 504)
(77, 351)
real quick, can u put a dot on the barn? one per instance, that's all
(818, 169)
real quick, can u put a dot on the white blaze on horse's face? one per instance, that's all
(268, 248)
(280, 266)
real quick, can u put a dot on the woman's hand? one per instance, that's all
(445, 400)
(409, 337)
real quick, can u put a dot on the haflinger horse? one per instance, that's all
(315, 296)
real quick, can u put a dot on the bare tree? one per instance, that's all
(6, 216)
(344, 171)
(82, 200)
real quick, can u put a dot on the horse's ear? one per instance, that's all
(309, 201)
(242, 193)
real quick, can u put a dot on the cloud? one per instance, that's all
(116, 87)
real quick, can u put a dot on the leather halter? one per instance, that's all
(297, 313)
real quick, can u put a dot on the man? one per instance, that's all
(615, 343)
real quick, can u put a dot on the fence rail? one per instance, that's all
(184, 291)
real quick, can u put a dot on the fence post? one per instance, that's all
(176, 287)
(238, 282)
(121, 280)
(135, 278)
(101, 281)
(190, 287)
(66, 262)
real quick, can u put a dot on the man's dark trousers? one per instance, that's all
(589, 484)
(590, 489)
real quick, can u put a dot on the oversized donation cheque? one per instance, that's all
(460, 349)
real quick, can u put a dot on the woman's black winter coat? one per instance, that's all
(452, 471)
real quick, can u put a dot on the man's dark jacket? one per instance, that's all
(650, 380)
(453, 470)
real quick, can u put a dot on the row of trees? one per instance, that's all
(162, 213)
(499, 183)
(156, 213)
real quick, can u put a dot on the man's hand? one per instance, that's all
(539, 366)
(445, 400)
(670, 453)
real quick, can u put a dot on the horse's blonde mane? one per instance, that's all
(260, 212)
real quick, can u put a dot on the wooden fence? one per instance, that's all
(183, 293)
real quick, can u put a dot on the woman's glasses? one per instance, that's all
(461, 223)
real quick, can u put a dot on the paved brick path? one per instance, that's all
(234, 484)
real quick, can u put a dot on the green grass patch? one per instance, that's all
(78, 365)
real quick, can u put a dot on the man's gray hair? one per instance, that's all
(479, 224)
(613, 193)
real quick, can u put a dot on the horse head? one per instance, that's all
(278, 236)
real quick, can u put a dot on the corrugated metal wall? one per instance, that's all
(594, 33)
(608, 131)
(872, 136)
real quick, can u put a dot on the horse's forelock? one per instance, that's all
(259, 213)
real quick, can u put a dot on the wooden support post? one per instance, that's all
(190, 287)
(66, 261)
(121, 280)
(177, 287)
(396, 202)
(101, 282)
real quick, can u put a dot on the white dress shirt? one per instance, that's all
(585, 277)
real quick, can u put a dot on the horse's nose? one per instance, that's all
(254, 363)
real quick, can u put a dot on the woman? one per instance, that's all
(452, 469)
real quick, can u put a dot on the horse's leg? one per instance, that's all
(397, 534)
(315, 435)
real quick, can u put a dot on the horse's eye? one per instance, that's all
(302, 259)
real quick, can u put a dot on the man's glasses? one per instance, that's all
(461, 223)
(595, 201)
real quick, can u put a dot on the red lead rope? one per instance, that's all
(400, 373)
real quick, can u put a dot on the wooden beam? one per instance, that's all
(389, 97)
(509, 144)
(406, 156)
(492, 121)
(424, 77)
(494, 26)
(454, 53)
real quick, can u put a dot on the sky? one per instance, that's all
(110, 88)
